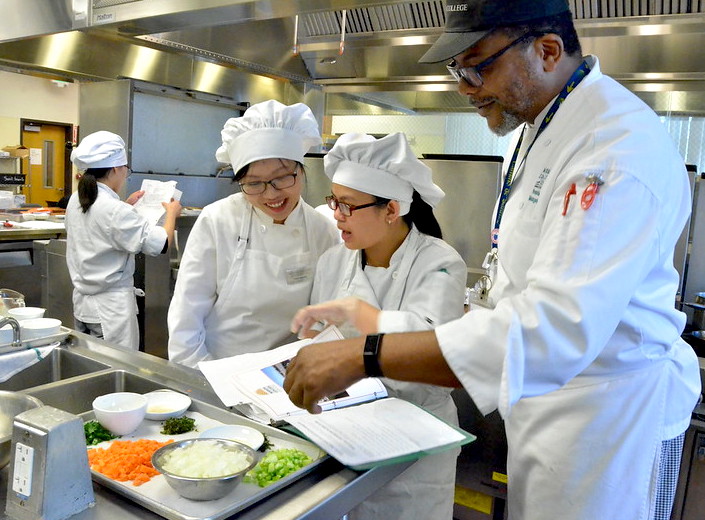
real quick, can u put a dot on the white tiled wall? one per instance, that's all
(456, 133)
(430, 133)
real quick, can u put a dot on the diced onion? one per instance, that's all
(204, 459)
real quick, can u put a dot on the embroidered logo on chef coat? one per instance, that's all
(536, 190)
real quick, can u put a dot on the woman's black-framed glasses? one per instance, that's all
(473, 75)
(347, 209)
(278, 183)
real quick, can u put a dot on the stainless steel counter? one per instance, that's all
(18, 234)
(327, 493)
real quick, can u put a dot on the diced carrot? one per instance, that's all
(126, 460)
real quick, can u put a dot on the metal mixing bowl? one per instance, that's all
(11, 404)
(196, 488)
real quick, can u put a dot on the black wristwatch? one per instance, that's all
(373, 346)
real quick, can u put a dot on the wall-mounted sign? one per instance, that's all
(11, 178)
(35, 156)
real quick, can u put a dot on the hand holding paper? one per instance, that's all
(381, 430)
(156, 193)
(337, 312)
(327, 368)
(256, 380)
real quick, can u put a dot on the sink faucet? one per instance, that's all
(15, 329)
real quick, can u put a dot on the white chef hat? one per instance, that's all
(268, 130)
(385, 167)
(100, 149)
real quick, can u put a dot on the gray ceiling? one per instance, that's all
(652, 46)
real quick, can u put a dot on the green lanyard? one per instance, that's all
(573, 82)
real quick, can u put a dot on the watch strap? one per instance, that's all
(370, 356)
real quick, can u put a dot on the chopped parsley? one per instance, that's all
(96, 433)
(177, 425)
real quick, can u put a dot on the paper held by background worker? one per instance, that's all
(156, 192)
(254, 382)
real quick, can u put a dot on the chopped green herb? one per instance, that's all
(96, 433)
(176, 425)
(277, 464)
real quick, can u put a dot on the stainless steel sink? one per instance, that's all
(76, 395)
(58, 365)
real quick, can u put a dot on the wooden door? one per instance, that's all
(47, 157)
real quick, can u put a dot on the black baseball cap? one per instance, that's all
(467, 21)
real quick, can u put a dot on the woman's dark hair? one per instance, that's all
(243, 171)
(560, 24)
(420, 214)
(88, 186)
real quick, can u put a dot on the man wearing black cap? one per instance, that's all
(577, 342)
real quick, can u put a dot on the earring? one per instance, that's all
(389, 222)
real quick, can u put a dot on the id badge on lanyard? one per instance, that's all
(479, 294)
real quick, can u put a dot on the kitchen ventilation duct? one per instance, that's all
(649, 45)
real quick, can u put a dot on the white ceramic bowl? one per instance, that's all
(163, 404)
(236, 432)
(39, 328)
(26, 313)
(120, 412)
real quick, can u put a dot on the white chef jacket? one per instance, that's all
(582, 352)
(423, 286)
(100, 254)
(242, 278)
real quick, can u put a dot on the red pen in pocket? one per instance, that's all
(566, 198)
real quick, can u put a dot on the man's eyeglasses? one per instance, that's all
(473, 75)
(347, 209)
(279, 183)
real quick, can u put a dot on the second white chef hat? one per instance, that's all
(268, 130)
(385, 167)
(100, 149)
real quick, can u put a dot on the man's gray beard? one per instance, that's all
(510, 123)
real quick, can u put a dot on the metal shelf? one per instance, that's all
(7, 167)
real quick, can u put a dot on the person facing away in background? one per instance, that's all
(578, 344)
(393, 272)
(249, 260)
(103, 234)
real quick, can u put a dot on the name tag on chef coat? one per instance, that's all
(298, 268)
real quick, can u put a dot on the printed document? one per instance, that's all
(254, 382)
(156, 192)
(382, 432)
(377, 430)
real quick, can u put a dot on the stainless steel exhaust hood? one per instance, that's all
(216, 45)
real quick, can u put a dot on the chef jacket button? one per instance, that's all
(395, 274)
(547, 143)
(296, 232)
(263, 228)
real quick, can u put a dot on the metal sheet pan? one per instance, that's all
(157, 496)
(63, 333)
